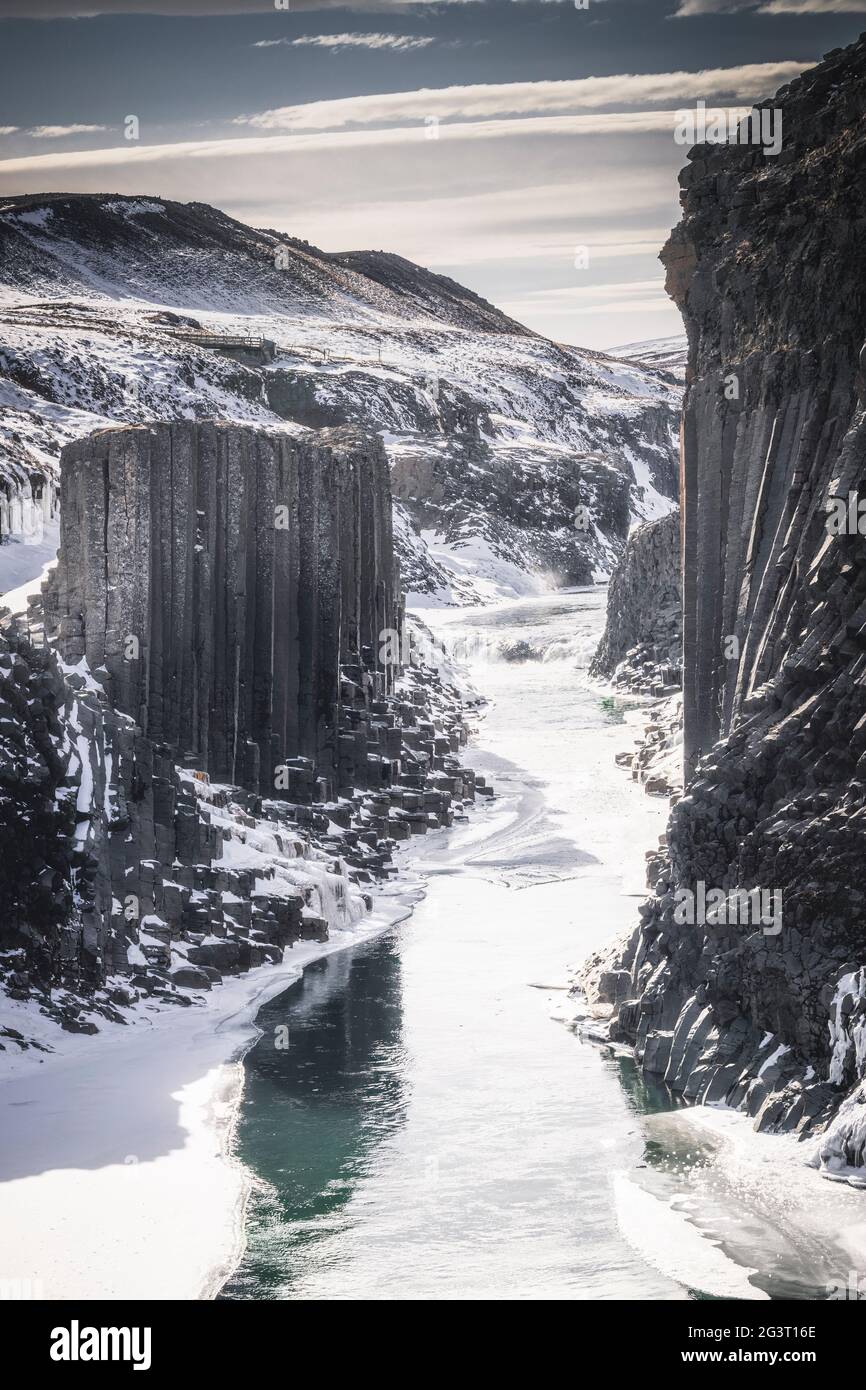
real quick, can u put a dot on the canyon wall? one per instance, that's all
(767, 1010)
(643, 633)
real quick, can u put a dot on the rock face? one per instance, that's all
(213, 734)
(769, 267)
(459, 474)
(223, 576)
(641, 649)
(643, 633)
(36, 812)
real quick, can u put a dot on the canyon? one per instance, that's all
(285, 484)
(134, 310)
(211, 749)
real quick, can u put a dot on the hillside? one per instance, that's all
(495, 435)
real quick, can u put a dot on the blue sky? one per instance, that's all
(524, 147)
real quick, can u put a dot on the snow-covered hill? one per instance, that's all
(193, 255)
(517, 462)
(661, 354)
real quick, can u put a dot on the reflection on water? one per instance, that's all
(324, 1084)
(647, 1094)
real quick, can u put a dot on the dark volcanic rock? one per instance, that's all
(644, 606)
(37, 812)
(769, 268)
(221, 575)
(225, 733)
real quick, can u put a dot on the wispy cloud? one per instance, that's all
(389, 43)
(619, 289)
(813, 7)
(621, 297)
(748, 81)
(199, 151)
(88, 9)
(541, 225)
(689, 9)
(58, 132)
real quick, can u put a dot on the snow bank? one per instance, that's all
(116, 1179)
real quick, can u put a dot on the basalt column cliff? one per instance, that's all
(222, 576)
(204, 756)
(769, 268)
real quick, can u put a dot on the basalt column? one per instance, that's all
(767, 266)
(220, 576)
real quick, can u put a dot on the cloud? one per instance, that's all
(688, 9)
(89, 9)
(618, 290)
(591, 301)
(537, 225)
(750, 80)
(394, 43)
(57, 132)
(588, 308)
(813, 7)
(198, 151)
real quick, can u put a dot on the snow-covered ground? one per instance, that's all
(741, 1214)
(665, 354)
(116, 1179)
(23, 564)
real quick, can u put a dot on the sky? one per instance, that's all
(526, 148)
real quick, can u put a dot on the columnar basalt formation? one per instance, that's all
(36, 810)
(222, 576)
(769, 268)
(211, 715)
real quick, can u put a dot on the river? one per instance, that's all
(434, 1129)
(420, 1116)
